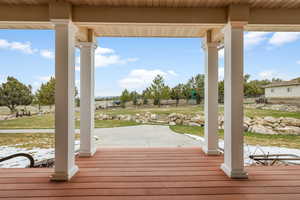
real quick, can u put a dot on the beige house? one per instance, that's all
(284, 92)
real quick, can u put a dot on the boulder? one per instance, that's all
(261, 129)
(290, 121)
(288, 130)
(270, 119)
(172, 123)
(194, 124)
(178, 121)
(198, 119)
(153, 117)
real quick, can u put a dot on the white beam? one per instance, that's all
(233, 164)
(211, 96)
(65, 166)
(87, 99)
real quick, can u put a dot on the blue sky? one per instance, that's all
(133, 62)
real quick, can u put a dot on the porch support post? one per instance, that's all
(233, 164)
(87, 99)
(211, 96)
(65, 166)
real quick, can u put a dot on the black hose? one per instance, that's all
(30, 158)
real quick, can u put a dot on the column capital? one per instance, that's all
(93, 45)
(64, 22)
(236, 24)
(206, 45)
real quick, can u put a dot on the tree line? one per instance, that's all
(192, 89)
(13, 93)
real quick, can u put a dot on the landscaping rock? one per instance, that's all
(291, 121)
(194, 124)
(288, 130)
(261, 129)
(172, 123)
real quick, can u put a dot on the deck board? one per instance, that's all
(151, 174)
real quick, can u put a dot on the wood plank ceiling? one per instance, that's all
(171, 3)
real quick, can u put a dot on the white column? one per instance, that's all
(87, 99)
(211, 98)
(65, 166)
(233, 164)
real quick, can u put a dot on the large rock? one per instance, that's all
(290, 121)
(288, 130)
(194, 124)
(270, 119)
(261, 129)
(154, 117)
(172, 123)
(198, 119)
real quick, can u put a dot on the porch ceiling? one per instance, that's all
(171, 3)
(144, 30)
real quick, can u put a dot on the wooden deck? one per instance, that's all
(151, 174)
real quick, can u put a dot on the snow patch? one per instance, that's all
(38, 154)
(251, 149)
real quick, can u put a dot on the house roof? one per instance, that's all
(295, 81)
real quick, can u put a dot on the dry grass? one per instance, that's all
(288, 141)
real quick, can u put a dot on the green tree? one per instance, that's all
(254, 88)
(146, 95)
(134, 96)
(157, 88)
(165, 93)
(125, 97)
(176, 93)
(14, 93)
(197, 84)
(221, 91)
(187, 91)
(46, 93)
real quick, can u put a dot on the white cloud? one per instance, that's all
(105, 57)
(47, 53)
(101, 50)
(281, 38)
(269, 74)
(254, 38)
(251, 39)
(140, 78)
(298, 62)
(25, 47)
(172, 72)
(3, 79)
(44, 78)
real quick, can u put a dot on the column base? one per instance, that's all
(87, 153)
(211, 152)
(236, 174)
(63, 176)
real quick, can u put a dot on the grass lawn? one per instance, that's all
(198, 109)
(47, 121)
(289, 141)
(29, 140)
(194, 109)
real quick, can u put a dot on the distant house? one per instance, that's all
(284, 92)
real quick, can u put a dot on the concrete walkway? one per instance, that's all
(143, 136)
(131, 136)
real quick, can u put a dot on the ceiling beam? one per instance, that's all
(94, 14)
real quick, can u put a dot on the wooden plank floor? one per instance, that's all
(151, 174)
